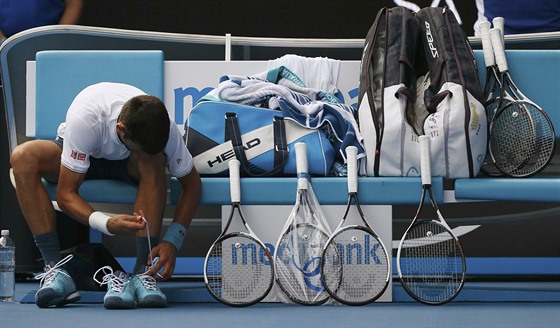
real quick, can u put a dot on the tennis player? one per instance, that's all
(112, 131)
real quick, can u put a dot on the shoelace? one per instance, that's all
(152, 260)
(149, 242)
(148, 281)
(118, 283)
(48, 276)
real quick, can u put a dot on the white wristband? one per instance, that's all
(98, 221)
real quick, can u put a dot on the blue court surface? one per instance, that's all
(191, 306)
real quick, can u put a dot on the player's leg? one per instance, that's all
(30, 161)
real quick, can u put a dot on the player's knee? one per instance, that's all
(23, 159)
(32, 158)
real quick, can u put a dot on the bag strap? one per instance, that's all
(233, 133)
(280, 142)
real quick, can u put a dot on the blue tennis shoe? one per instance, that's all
(57, 287)
(120, 290)
(148, 293)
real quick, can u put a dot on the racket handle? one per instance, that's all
(499, 23)
(425, 163)
(499, 52)
(489, 60)
(352, 168)
(301, 164)
(234, 181)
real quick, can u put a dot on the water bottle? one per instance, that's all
(7, 267)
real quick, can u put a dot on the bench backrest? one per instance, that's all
(61, 75)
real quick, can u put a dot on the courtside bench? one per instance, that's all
(145, 70)
(536, 72)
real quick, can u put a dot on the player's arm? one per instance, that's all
(72, 204)
(188, 198)
(185, 210)
(181, 165)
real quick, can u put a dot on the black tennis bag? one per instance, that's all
(87, 259)
(419, 76)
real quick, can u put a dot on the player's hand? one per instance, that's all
(166, 254)
(124, 223)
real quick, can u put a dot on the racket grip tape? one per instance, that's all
(425, 168)
(499, 52)
(499, 23)
(352, 168)
(234, 181)
(489, 59)
(301, 164)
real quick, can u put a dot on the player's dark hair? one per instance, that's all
(146, 123)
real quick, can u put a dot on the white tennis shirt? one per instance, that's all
(90, 130)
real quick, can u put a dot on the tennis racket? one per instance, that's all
(297, 257)
(238, 267)
(490, 85)
(430, 260)
(522, 138)
(355, 266)
(491, 93)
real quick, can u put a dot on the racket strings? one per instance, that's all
(298, 262)
(431, 263)
(356, 267)
(238, 270)
(521, 139)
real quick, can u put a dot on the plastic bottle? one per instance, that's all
(7, 267)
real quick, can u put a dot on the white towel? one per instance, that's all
(316, 73)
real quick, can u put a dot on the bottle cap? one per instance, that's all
(5, 232)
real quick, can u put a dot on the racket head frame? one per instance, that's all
(331, 242)
(534, 135)
(541, 133)
(260, 249)
(235, 192)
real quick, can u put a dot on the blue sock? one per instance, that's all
(142, 252)
(49, 247)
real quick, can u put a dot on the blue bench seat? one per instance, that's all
(329, 190)
(539, 189)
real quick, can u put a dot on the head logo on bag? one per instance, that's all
(230, 154)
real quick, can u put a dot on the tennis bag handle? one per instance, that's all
(233, 133)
